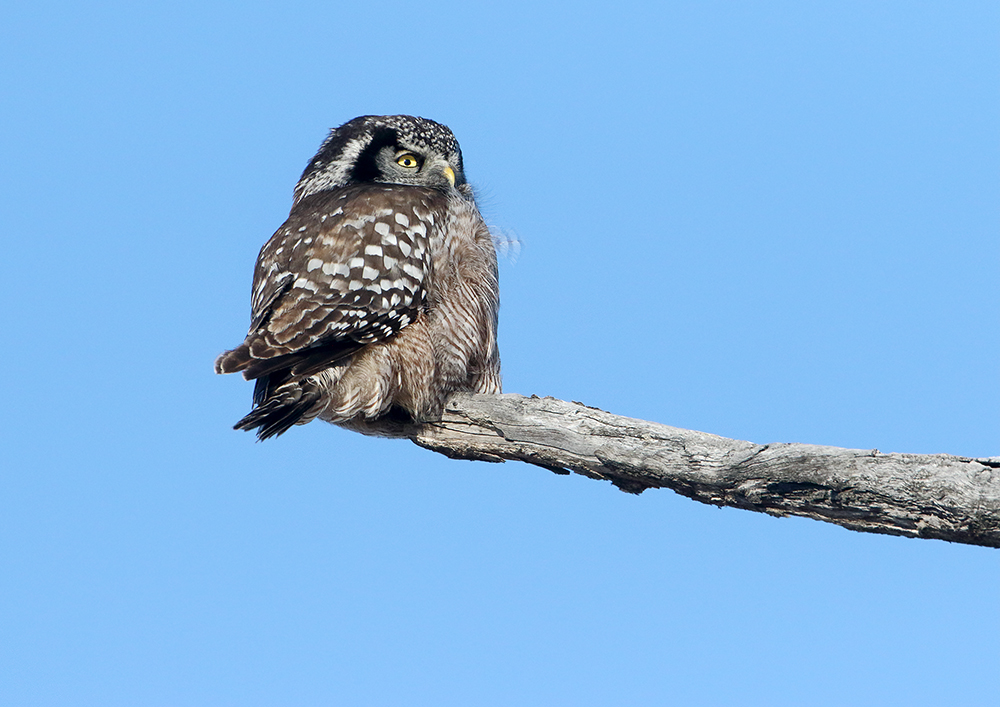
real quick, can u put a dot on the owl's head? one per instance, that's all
(390, 149)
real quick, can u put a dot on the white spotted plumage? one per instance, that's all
(379, 291)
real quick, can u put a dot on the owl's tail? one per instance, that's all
(278, 407)
(283, 395)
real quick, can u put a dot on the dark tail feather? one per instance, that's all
(283, 394)
(278, 408)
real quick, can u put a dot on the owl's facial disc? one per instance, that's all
(402, 165)
(414, 163)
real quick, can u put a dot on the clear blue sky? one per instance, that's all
(772, 221)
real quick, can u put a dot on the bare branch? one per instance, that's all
(917, 495)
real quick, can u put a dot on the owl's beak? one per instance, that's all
(449, 174)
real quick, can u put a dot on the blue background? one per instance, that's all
(772, 221)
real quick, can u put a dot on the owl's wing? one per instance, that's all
(347, 269)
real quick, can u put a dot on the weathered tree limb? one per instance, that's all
(917, 495)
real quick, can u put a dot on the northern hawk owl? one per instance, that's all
(379, 293)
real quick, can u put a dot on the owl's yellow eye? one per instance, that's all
(408, 160)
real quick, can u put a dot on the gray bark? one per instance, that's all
(916, 495)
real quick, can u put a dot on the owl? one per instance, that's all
(378, 296)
